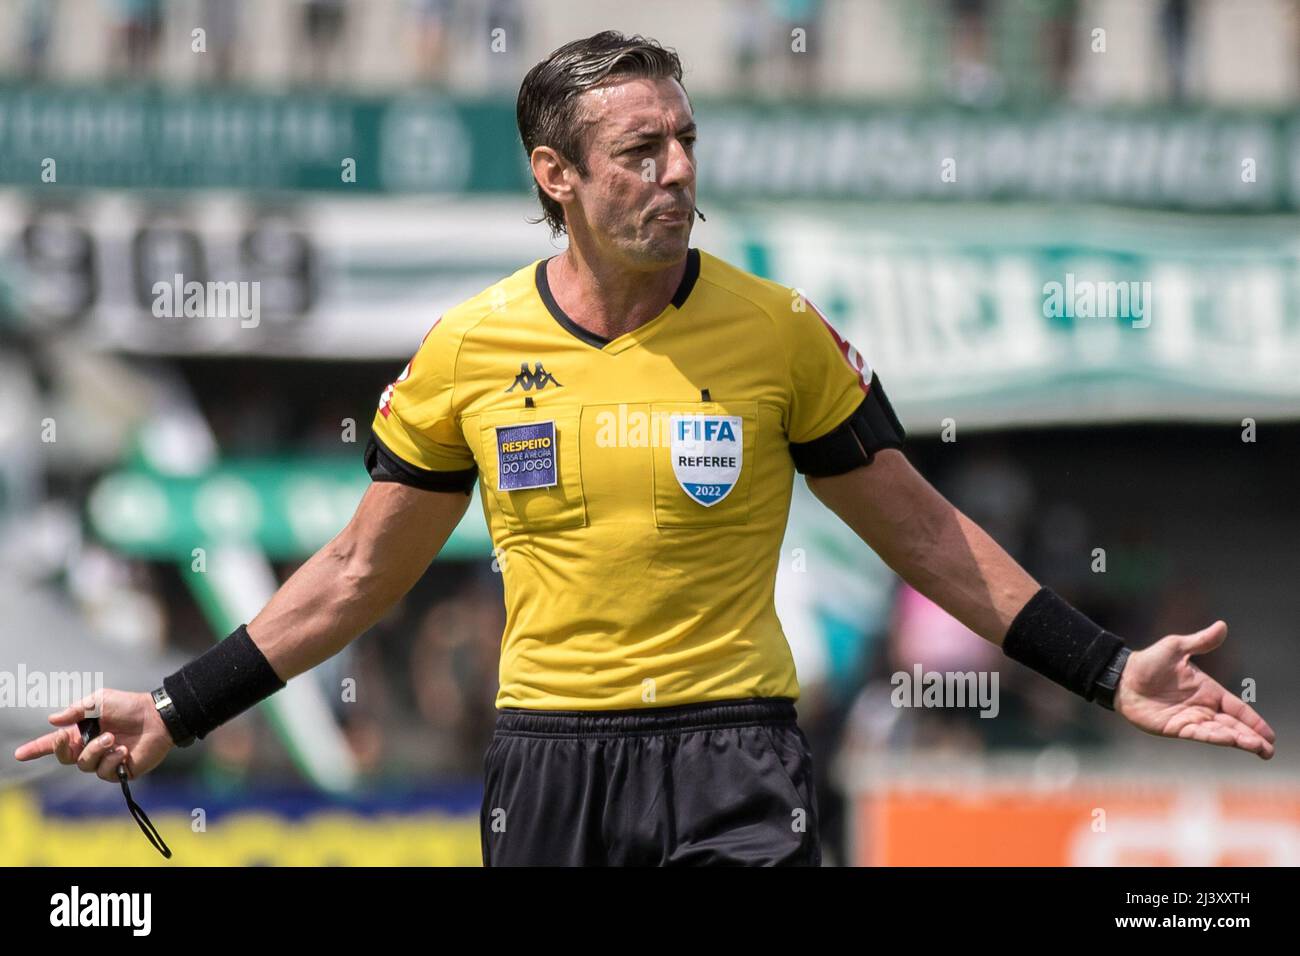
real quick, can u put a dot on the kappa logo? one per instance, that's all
(538, 378)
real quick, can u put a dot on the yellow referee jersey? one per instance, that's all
(636, 489)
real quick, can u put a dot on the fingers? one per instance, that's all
(99, 756)
(1227, 732)
(1209, 733)
(1245, 738)
(64, 744)
(107, 769)
(1204, 640)
(90, 704)
(1251, 742)
(1256, 745)
(69, 715)
(68, 745)
(94, 752)
(40, 747)
(1234, 706)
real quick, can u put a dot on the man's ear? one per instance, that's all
(549, 169)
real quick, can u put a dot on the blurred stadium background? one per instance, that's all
(359, 161)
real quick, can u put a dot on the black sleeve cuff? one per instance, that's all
(872, 426)
(1062, 643)
(221, 683)
(383, 465)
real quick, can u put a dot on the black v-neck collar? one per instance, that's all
(689, 278)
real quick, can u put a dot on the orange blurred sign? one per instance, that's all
(1184, 823)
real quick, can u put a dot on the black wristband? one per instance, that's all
(222, 683)
(1062, 643)
(1108, 682)
(176, 728)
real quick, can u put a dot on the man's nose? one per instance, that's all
(679, 168)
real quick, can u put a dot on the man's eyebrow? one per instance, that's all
(652, 133)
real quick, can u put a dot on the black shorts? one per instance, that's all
(725, 783)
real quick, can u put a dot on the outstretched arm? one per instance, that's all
(339, 592)
(929, 543)
(348, 584)
(956, 564)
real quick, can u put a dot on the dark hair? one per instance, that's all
(547, 107)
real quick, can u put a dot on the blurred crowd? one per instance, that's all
(970, 51)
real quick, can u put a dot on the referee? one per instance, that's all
(634, 410)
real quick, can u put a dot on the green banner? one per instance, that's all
(285, 507)
(155, 139)
(1030, 319)
(139, 137)
(1202, 160)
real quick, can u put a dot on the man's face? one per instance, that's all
(637, 202)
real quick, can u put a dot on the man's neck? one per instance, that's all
(607, 299)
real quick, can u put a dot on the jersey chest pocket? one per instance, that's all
(704, 463)
(531, 467)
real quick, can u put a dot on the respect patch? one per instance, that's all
(526, 456)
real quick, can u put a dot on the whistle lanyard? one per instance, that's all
(89, 731)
